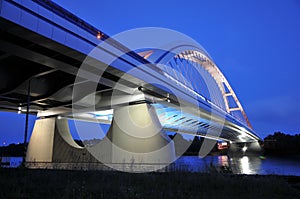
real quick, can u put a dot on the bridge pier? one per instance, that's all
(135, 137)
(51, 144)
(247, 149)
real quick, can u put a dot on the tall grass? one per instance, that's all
(24, 183)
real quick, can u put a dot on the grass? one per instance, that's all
(25, 183)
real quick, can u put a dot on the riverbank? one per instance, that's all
(25, 183)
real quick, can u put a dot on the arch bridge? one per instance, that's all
(45, 71)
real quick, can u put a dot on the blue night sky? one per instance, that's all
(256, 44)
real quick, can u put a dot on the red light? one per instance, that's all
(222, 145)
(99, 35)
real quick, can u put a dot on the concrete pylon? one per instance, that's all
(51, 142)
(40, 147)
(137, 136)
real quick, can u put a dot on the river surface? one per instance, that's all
(288, 165)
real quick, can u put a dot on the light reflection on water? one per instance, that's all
(245, 165)
(11, 162)
(242, 165)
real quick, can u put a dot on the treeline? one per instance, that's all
(280, 143)
(190, 147)
(18, 150)
(12, 150)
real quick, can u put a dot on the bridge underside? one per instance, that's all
(51, 69)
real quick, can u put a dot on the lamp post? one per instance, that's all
(26, 123)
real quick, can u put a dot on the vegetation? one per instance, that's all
(23, 183)
(280, 143)
(193, 145)
(12, 150)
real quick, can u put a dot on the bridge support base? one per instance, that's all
(135, 137)
(51, 142)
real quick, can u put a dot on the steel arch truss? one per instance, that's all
(224, 86)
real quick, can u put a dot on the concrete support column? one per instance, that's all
(51, 142)
(40, 147)
(137, 136)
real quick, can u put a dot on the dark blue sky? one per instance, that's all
(256, 44)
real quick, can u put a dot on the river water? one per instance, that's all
(288, 165)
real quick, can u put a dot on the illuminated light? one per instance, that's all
(59, 117)
(244, 163)
(103, 113)
(106, 117)
(19, 112)
(141, 88)
(146, 54)
(244, 149)
(224, 143)
(19, 108)
(223, 160)
(243, 129)
(99, 35)
(242, 138)
(168, 100)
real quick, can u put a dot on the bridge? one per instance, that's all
(59, 67)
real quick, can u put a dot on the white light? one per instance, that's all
(244, 163)
(168, 100)
(105, 117)
(19, 108)
(59, 117)
(19, 112)
(244, 149)
(102, 113)
(242, 138)
(224, 143)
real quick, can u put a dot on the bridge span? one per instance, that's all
(59, 67)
